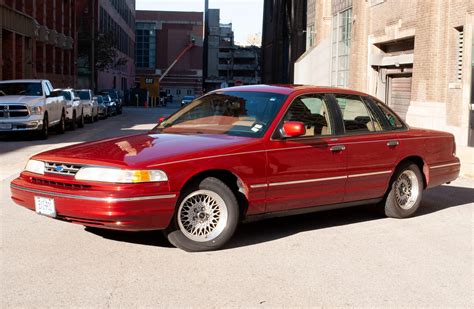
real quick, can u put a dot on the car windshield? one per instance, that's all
(106, 99)
(232, 113)
(27, 89)
(100, 100)
(66, 95)
(110, 93)
(188, 98)
(84, 95)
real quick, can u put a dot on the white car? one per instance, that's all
(74, 109)
(91, 108)
(31, 105)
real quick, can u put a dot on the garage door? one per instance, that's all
(399, 95)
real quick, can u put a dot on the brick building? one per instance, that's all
(416, 56)
(38, 40)
(105, 23)
(161, 36)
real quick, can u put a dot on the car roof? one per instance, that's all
(289, 89)
(21, 81)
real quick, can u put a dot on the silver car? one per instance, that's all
(91, 108)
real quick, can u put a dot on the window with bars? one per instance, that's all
(459, 52)
(341, 41)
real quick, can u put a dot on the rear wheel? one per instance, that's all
(405, 193)
(206, 217)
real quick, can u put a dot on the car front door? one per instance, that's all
(308, 170)
(371, 150)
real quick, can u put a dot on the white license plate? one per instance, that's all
(45, 206)
(5, 126)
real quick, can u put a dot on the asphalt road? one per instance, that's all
(349, 257)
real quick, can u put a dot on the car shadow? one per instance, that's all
(253, 233)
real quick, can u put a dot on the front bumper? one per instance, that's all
(34, 122)
(102, 209)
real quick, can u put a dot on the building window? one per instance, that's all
(145, 54)
(310, 36)
(178, 91)
(459, 52)
(341, 42)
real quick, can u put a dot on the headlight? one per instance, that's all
(36, 110)
(35, 166)
(106, 174)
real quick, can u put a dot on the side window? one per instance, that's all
(392, 119)
(355, 114)
(313, 112)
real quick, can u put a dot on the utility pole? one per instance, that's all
(205, 53)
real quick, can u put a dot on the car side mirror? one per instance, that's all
(293, 129)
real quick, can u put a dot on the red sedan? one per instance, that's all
(241, 153)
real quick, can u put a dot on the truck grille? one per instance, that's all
(65, 169)
(13, 110)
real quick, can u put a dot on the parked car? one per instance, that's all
(91, 108)
(103, 108)
(186, 100)
(111, 105)
(242, 153)
(31, 105)
(74, 109)
(115, 97)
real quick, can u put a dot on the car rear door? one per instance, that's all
(371, 151)
(308, 170)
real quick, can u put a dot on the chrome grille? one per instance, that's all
(59, 184)
(13, 110)
(65, 169)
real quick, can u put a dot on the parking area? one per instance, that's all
(348, 257)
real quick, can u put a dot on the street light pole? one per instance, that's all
(205, 44)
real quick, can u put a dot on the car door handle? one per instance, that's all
(393, 143)
(337, 148)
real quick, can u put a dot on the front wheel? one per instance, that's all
(405, 193)
(206, 217)
(81, 121)
(44, 132)
(61, 126)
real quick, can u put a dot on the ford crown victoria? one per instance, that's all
(238, 154)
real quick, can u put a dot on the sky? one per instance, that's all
(245, 15)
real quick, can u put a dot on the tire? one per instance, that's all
(82, 121)
(405, 193)
(44, 132)
(96, 118)
(224, 211)
(73, 124)
(61, 126)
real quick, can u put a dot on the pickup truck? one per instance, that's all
(31, 105)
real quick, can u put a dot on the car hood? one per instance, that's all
(20, 99)
(149, 150)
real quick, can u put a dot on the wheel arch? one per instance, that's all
(232, 180)
(418, 160)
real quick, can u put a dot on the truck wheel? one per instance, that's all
(61, 126)
(73, 124)
(80, 124)
(44, 132)
(406, 189)
(206, 217)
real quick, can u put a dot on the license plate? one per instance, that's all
(45, 206)
(5, 126)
